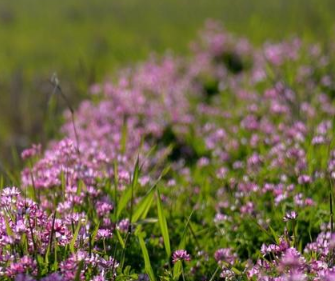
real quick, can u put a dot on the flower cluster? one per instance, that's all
(247, 134)
(180, 255)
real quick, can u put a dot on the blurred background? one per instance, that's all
(85, 41)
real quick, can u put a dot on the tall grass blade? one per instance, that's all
(177, 270)
(79, 269)
(129, 192)
(124, 135)
(74, 238)
(163, 225)
(119, 237)
(147, 263)
(134, 183)
(126, 196)
(144, 206)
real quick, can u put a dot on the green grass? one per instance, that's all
(67, 35)
(84, 41)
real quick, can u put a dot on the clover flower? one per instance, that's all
(180, 255)
(292, 215)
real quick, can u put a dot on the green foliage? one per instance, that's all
(147, 263)
(83, 41)
(163, 225)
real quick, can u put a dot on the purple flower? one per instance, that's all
(225, 255)
(290, 216)
(180, 255)
(123, 225)
(304, 179)
(31, 152)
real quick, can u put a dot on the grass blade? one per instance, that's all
(274, 234)
(144, 206)
(214, 274)
(177, 269)
(129, 192)
(183, 238)
(124, 135)
(79, 269)
(8, 228)
(119, 237)
(74, 238)
(146, 258)
(163, 225)
(134, 183)
(126, 196)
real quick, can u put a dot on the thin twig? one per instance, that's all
(52, 231)
(57, 88)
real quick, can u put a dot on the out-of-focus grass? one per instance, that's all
(85, 40)
(66, 35)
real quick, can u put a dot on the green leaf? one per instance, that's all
(55, 264)
(74, 238)
(119, 237)
(116, 185)
(147, 264)
(129, 192)
(146, 221)
(183, 239)
(80, 267)
(274, 234)
(177, 269)
(2, 181)
(124, 136)
(144, 206)
(24, 243)
(126, 196)
(236, 271)
(136, 173)
(8, 228)
(94, 234)
(214, 274)
(134, 183)
(163, 225)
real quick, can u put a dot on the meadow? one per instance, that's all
(200, 151)
(85, 42)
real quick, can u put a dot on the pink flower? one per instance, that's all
(180, 255)
(31, 152)
(290, 216)
(225, 255)
(304, 179)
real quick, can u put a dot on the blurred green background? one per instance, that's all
(86, 40)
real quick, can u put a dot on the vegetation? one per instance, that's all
(216, 163)
(84, 42)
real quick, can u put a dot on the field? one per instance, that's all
(167, 140)
(84, 43)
